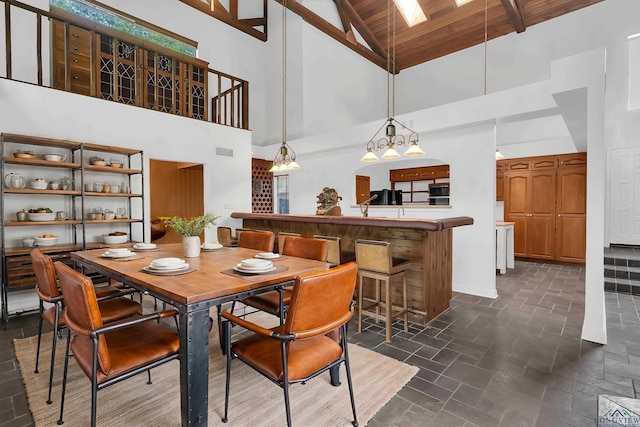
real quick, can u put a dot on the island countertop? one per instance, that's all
(427, 243)
(409, 223)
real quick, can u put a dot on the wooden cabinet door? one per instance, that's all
(541, 222)
(517, 201)
(363, 188)
(571, 210)
(500, 166)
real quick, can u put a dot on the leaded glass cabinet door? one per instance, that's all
(118, 65)
(161, 82)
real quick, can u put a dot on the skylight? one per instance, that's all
(411, 11)
(462, 2)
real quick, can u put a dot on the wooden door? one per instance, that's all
(517, 201)
(363, 188)
(541, 216)
(500, 166)
(571, 210)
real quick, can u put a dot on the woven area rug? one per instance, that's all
(254, 401)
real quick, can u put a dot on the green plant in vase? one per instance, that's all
(190, 228)
(65, 183)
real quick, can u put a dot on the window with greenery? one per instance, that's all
(122, 23)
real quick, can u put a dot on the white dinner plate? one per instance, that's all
(267, 255)
(109, 254)
(145, 246)
(243, 270)
(167, 262)
(255, 263)
(166, 269)
(211, 246)
(255, 267)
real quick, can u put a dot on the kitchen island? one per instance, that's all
(427, 243)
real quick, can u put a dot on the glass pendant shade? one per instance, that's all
(293, 165)
(499, 155)
(369, 157)
(391, 153)
(414, 150)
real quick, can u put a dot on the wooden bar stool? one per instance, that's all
(375, 262)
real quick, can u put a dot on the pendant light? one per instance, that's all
(390, 140)
(285, 159)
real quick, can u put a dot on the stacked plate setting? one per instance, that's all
(144, 246)
(166, 265)
(267, 255)
(118, 253)
(254, 265)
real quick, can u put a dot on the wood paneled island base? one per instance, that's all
(427, 243)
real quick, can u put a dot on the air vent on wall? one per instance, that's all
(228, 152)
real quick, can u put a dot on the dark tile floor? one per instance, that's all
(514, 361)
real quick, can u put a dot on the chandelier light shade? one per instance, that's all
(499, 155)
(285, 159)
(391, 140)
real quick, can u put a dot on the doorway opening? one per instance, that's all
(176, 189)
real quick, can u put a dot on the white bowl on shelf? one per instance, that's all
(45, 241)
(38, 184)
(113, 240)
(45, 216)
(53, 157)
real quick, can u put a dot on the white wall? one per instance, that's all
(30, 110)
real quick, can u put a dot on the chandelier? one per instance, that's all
(285, 158)
(390, 139)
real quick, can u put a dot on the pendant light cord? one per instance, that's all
(284, 71)
(388, 58)
(486, 15)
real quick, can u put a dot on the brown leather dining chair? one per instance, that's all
(113, 305)
(108, 354)
(259, 240)
(300, 349)
(275, 302)
(226, 238)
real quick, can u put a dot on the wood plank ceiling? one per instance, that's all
(449, 28)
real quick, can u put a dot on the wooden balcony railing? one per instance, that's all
(229, 95)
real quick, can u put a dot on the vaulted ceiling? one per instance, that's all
(448, 28)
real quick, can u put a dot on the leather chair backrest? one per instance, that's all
(259, 240)
(224, 236)
(304, 247)
(333, 248)
(321, 301)
(82, 313)
(45, 274)
(281, 236)
(374, 255)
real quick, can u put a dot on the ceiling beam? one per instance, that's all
(217, 10)
(333, 32)
(346, 23)
(361, 27)
(514, 12)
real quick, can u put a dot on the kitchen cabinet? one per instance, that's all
(72, 53)
(75, 232)
(545, 198)
(416, 184)
(500, 167)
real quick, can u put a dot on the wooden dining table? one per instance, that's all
(209, 283)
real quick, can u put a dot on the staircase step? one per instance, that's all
(622, 272)
(623, 286)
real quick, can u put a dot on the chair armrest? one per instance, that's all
(127, 323)
(120, 293)
(325, 329)
(247, 325)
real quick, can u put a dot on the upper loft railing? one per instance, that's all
(29, 58)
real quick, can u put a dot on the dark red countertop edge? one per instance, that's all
(410, 223)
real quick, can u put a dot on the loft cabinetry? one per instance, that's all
(545, 198)
(115, 67)
(60, 170)
(427, 185)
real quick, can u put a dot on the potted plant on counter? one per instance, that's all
(190, 228)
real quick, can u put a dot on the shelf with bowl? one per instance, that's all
(32, 191)
(30, 158)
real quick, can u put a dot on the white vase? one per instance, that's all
(191, 246)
